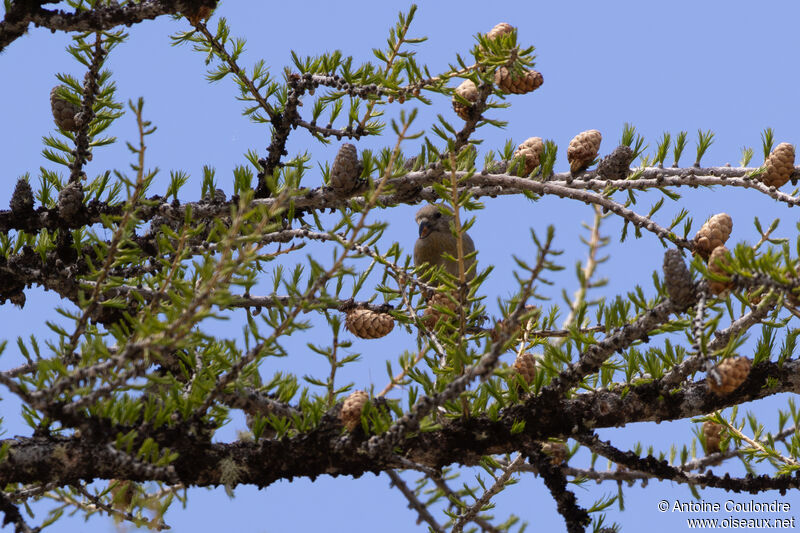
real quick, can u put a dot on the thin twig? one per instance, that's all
(499, 484)
(595, 241)
(413, 501)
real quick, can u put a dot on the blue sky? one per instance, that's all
(726, 66)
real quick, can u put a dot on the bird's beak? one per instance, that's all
(424, 229)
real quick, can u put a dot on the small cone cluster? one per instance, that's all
(499, 29)
(717, 261)
(22, 198)
(63, 111)
(525, 365)
(532, 150)
(368, 324)
(714, 233)
(582, 149)
(779, 165)
(557, 451)
(616, 165)
(677, 279)
(469, 92)
(728, 375)
(350, 415)
(713, 435)
(519, 84)
(346, 170)
(433, 315)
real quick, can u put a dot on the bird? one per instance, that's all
(436, 239)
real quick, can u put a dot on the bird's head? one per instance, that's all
(430, 219)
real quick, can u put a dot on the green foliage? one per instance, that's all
(135, 353)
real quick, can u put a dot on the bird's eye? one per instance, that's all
(437, 215)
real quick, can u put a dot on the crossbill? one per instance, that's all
(436, 241)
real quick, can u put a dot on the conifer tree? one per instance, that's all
(125, 398)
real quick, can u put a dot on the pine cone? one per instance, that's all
(583, 149)
(532, 150)
(63, 111)
(718, 259)
(713, 435)
(714, 233)
(346, 170)
(525, 365)
(780, 165)
(368, 324)
(728, 375)
(499, 29)
(70, 201)
(616, 165)
(468, 91)
(22, 198)
(350, 415)
(677, 279)
(557, 451)
(521, 84)
(432, 315)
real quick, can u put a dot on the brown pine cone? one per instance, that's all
(70, 201)
(677, 279)
(521, 84)
(63, 111)
(780, 165)
(346, 170)
(433, 315)
(728, 375)
(368, 324)
(713, 435)
(557, 451)
(350, 415)
(714, 233)
(469, 92)
(718, 259)
(616, 165)
(499, 29)
(22, 198)
(525, 365)
(583, 149)
(532, 150)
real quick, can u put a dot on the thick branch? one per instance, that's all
(24, 12)
(322, 451)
